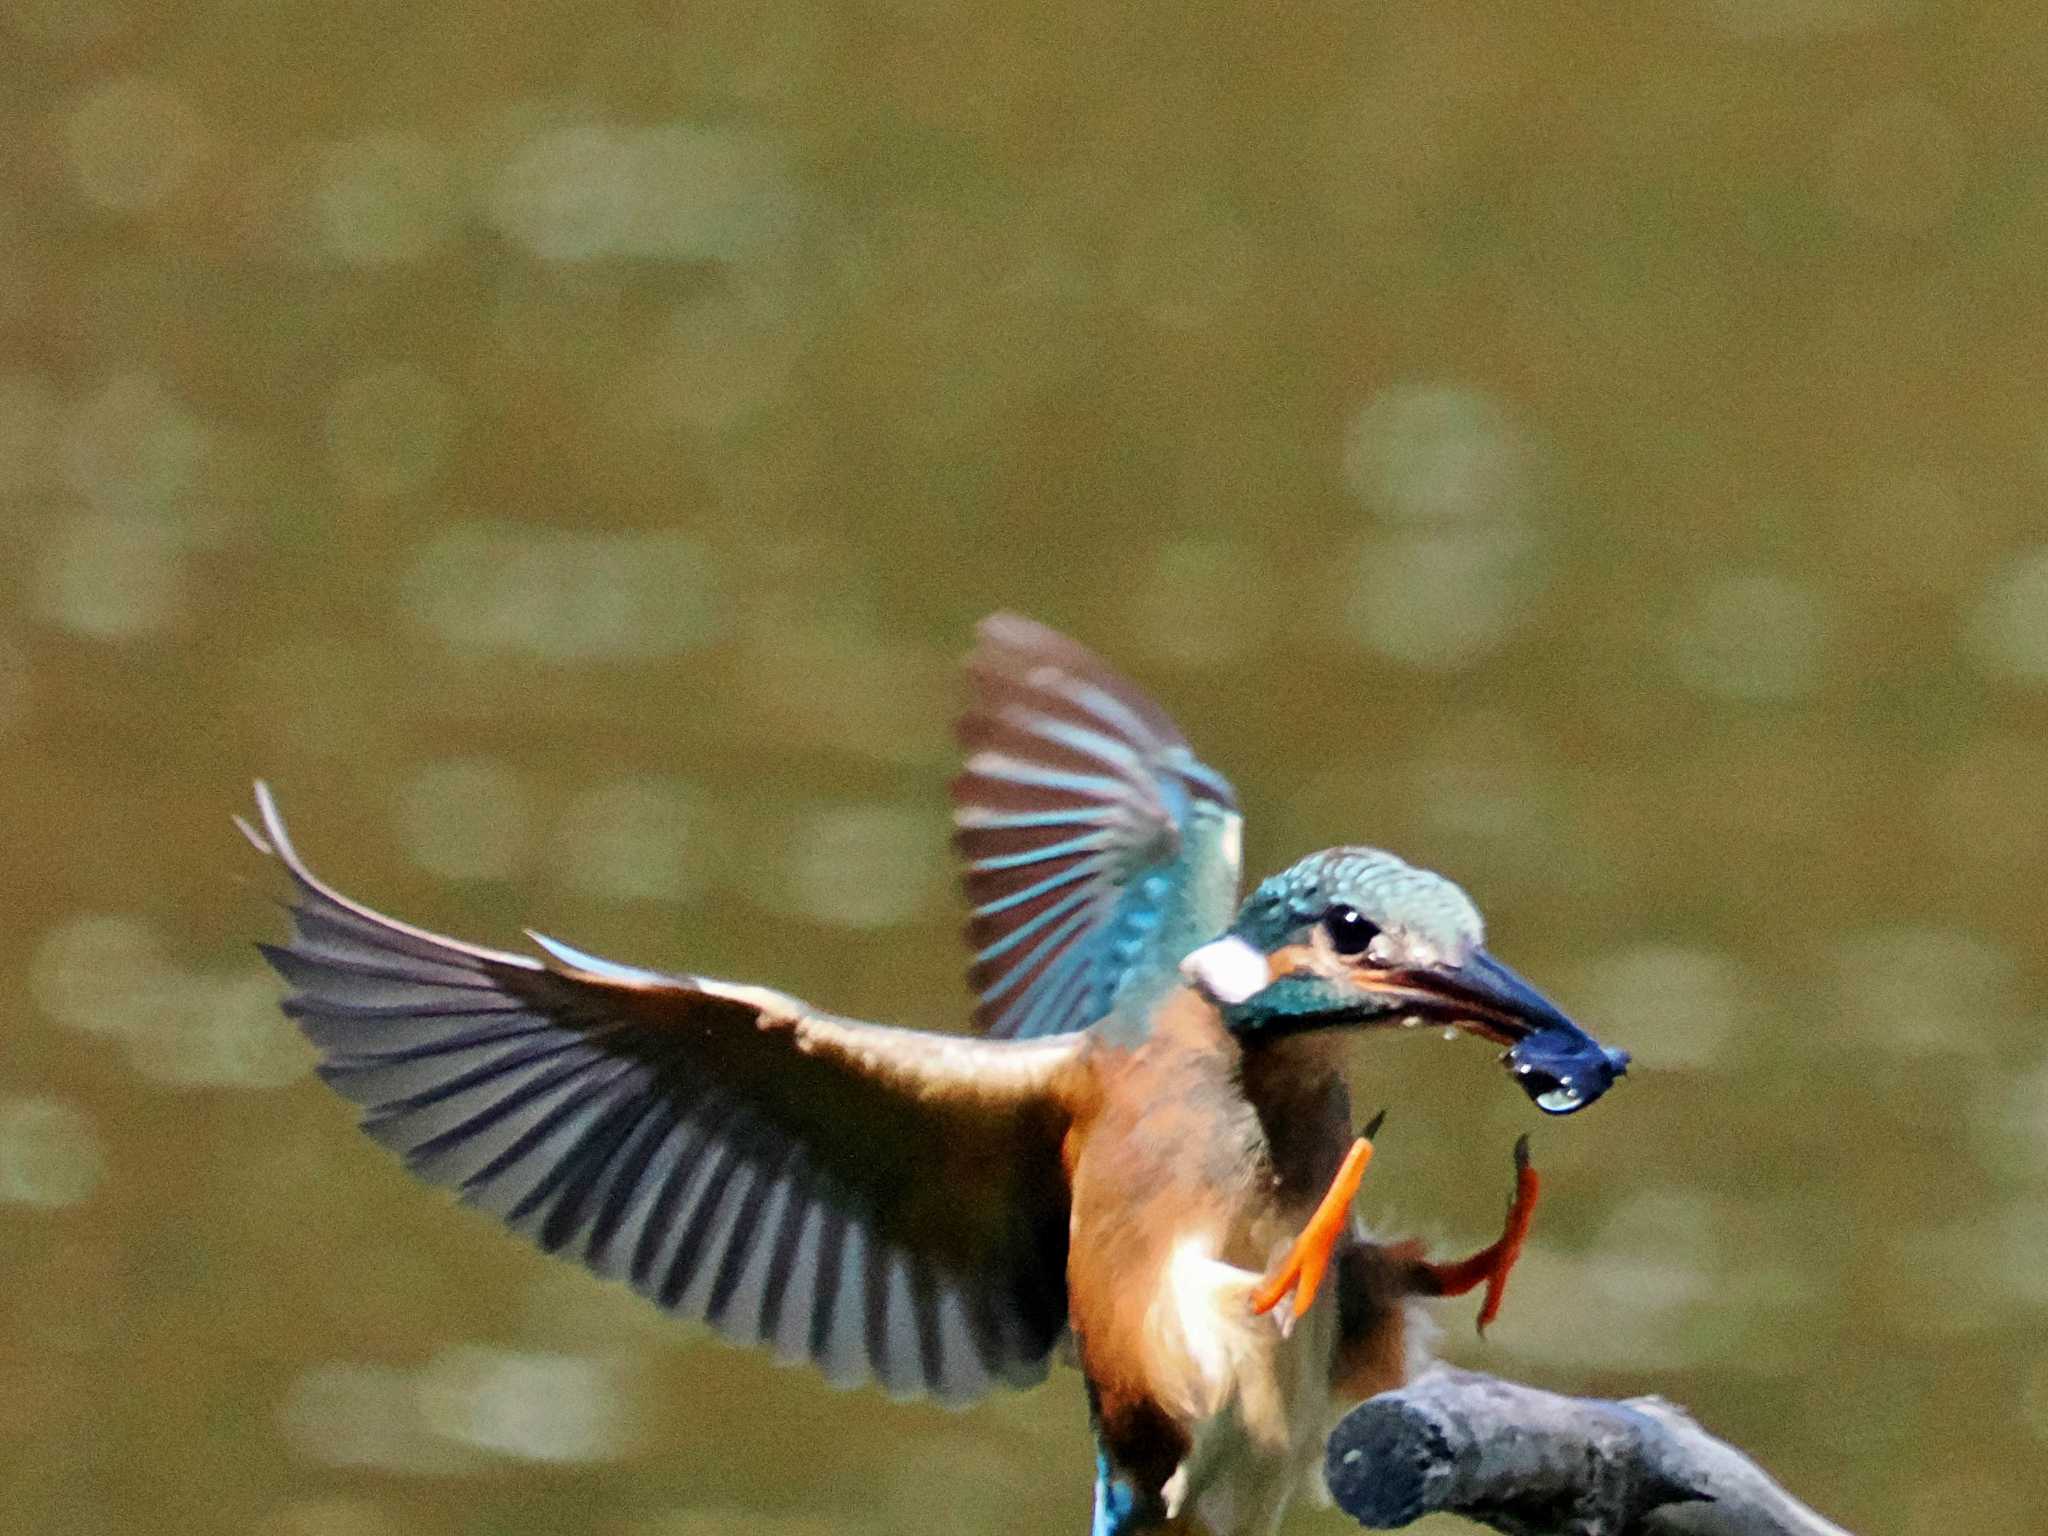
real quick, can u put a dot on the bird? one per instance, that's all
(1143, 1160)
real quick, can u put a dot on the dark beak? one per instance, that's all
(1556, 1063)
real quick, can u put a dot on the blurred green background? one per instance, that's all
(1598, 451)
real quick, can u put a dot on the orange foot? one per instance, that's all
(1491, 1264)
(1302, 1270)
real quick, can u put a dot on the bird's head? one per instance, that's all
(1355, 936)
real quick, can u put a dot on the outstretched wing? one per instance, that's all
(1098, 849)
(886, 1203)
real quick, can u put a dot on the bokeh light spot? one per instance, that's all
(1885, 978)
(1614, 1309)
(50, 1155)
(861, 866)
(132, 143)
(347, 1414)
(1757, 636)
(134, 447)
(2014, 1261)
(107, 974)
(2008, 629)
(2034, 1397)
(531, 1406)
(2009, 1126)
(492, 586)
(1672, 1006)
(1461, 570)
(675, 191)
(565, 195)
(710, 194)
(385, 198)
(111, 576)
(95, 972)
(1443, 601)
(1679, 1226)
(1439, 453)
(468, 819)
(635, 840)
(202, 1031)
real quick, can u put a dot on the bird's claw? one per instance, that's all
(1492, 1264)
(1301, 1270)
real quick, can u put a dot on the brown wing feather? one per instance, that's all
(886, 1203)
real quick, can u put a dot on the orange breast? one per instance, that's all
(1172, 1151)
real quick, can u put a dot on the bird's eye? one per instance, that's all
(1349, 930)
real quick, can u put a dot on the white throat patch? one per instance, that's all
(1228, 969)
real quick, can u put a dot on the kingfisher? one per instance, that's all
(1144, 1158)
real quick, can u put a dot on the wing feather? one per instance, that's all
(885, 1203)
(1096, 848)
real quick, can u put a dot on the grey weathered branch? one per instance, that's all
(1534, 1463)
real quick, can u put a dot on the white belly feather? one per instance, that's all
(1256, 1402)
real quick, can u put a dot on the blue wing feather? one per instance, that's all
(597, 965)
(1097, 848)
(1087, 842)
(1044, 953)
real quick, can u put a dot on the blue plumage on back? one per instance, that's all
(1098, 849)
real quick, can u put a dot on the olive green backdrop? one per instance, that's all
(1596, 450)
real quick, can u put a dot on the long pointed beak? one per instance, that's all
(1556, 1063)
(1501, 997)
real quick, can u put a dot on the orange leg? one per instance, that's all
(1491, 1264)
(1301, 1271)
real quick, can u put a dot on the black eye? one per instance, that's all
(1349, 931)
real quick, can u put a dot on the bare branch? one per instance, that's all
(1534, 1463)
